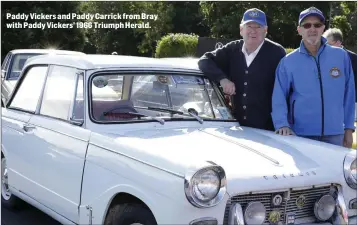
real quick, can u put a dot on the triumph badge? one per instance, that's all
(300, 201)
(277, 200)
(274, 217)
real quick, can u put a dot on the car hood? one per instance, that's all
(256, 158)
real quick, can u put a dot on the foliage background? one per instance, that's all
(204, 19)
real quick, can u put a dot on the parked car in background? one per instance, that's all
(108, 139)
(15, 60)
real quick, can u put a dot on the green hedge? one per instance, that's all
(177, 45)
(181, 45)
(288, 50)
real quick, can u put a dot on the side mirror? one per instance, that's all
(77, 122)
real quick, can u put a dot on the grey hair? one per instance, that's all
(334, 33)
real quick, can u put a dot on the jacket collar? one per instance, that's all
(302, 48)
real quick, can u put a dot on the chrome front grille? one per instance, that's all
(307, 211)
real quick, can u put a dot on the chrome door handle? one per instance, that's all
(27, 128)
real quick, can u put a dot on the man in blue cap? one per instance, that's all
(318, 82)
(246, 70)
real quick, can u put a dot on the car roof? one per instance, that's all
(46, 51)
(89, 62)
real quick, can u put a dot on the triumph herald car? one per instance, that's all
(119, 140)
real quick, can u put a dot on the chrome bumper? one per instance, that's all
(340, 217)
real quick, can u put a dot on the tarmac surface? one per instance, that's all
(27, 215)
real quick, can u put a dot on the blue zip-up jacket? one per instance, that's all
(314, 95)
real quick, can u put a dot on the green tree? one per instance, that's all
(135, 41)
(345, 18)
(282, 18)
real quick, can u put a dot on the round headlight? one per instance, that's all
(255, 213)
(325, 207)
(350, 170)
(206, 187)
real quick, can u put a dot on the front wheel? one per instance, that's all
(8, 200)
(129, 214)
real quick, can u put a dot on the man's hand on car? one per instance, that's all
(348, 139)
(285, 131)
(228, 86)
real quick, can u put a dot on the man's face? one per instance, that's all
(253, 33)
(311, 29)
(330, 41)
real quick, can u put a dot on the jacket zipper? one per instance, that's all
(322, 96)
(293, 112)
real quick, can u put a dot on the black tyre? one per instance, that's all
(129, 214)
(8, 200)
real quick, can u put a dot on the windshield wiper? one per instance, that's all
(192, 112)
(139, 115)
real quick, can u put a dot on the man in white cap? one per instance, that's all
(246, 70)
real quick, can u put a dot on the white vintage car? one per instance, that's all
(121, 140)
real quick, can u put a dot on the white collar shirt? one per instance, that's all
(249, 58)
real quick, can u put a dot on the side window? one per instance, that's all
(29, 92)
(78, 105)
(59, 92)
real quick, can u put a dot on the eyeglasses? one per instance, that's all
(308, 25)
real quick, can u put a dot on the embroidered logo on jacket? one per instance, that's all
(335, 72)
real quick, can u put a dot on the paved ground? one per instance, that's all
(28, 215)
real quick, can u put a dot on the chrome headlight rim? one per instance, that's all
(347, 163)
(192, 198)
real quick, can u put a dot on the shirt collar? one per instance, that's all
(256, 50)
(303, 49)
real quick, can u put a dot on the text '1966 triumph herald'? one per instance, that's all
(120, 140)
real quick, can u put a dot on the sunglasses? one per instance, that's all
(308, 25)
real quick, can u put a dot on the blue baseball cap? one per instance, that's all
(254, 15)
(312, 11)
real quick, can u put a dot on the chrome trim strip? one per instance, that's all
(141, 161)
(287, 189)
(244, 146)
(204, 219)
(90, 215)
(236, 216)
(340, 216)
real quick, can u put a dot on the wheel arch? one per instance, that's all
(124, 197)
(116, 195)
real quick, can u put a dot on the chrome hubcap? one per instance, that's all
(5, 192)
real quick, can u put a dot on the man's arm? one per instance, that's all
(350, 95)
(280, 94)
(215, 64)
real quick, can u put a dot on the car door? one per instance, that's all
(17, 133)
(60, 142)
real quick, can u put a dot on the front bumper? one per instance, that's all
(340, 217)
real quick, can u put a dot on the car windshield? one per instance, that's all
(118, 98)
(18, 63)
